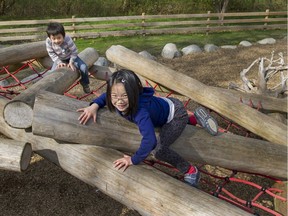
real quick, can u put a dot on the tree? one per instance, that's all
(5, 5)
(220, 6)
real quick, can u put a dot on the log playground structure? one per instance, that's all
(41, 117)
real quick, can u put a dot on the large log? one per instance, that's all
(19, 111)
(22, 52)
(55, 116)
(146, 190)
(14, 155)
(249, 118)
(265, 103)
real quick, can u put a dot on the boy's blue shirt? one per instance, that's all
(152, 112)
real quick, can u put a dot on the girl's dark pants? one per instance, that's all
(168, 135)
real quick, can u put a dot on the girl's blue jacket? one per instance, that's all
(152, 112)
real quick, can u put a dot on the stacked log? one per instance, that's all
(146, 190)
(53, 118)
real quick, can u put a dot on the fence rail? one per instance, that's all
(94, 27)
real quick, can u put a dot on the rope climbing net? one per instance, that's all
(250, 191)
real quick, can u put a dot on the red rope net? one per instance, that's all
(252, 192)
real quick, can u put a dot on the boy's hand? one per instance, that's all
(71, 66)
(124, 162)
(60, 65)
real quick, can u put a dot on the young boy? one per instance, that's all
(63, 52)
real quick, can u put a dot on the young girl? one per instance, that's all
(126, 96)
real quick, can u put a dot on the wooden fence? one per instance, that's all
(94, 27)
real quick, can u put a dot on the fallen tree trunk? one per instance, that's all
(254, 121)
(18, 112)
(22, 52)
(14, 155)
(55, 116)
(146, 190)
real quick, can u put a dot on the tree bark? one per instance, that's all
(22, 52)
(18, 112)
(249, 118)
(55, 116)
(146, 190)
(14, 155)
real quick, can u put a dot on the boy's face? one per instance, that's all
(57, 39)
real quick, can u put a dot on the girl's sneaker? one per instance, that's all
(192, 178)
(206, 121)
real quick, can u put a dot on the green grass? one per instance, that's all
(154, 43)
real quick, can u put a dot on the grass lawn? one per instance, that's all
(154, 43)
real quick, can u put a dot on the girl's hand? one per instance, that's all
(87, 113)
(124, 162)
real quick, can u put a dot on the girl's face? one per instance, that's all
(57, 39)
(119, 97)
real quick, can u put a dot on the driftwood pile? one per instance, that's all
(42, 118)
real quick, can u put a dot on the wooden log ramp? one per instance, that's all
(14, 155)
(148, 191)
(19, 111)
(55, 116)
(249, 118)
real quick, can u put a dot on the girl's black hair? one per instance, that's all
(55, 28)
(132, 85)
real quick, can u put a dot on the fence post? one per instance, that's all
(208, 23)
(143, 24)
(266, 18)
(73, 26)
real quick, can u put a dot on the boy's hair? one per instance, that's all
(132, 85)
(55, 28)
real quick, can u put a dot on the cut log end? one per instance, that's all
(18, 114)
(26, 157)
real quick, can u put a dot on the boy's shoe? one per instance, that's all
(86, 89)
(206, 121)
(193, 178)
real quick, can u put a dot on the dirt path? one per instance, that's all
(45, 189)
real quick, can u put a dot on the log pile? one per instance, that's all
(93, 165)
(47, 120)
